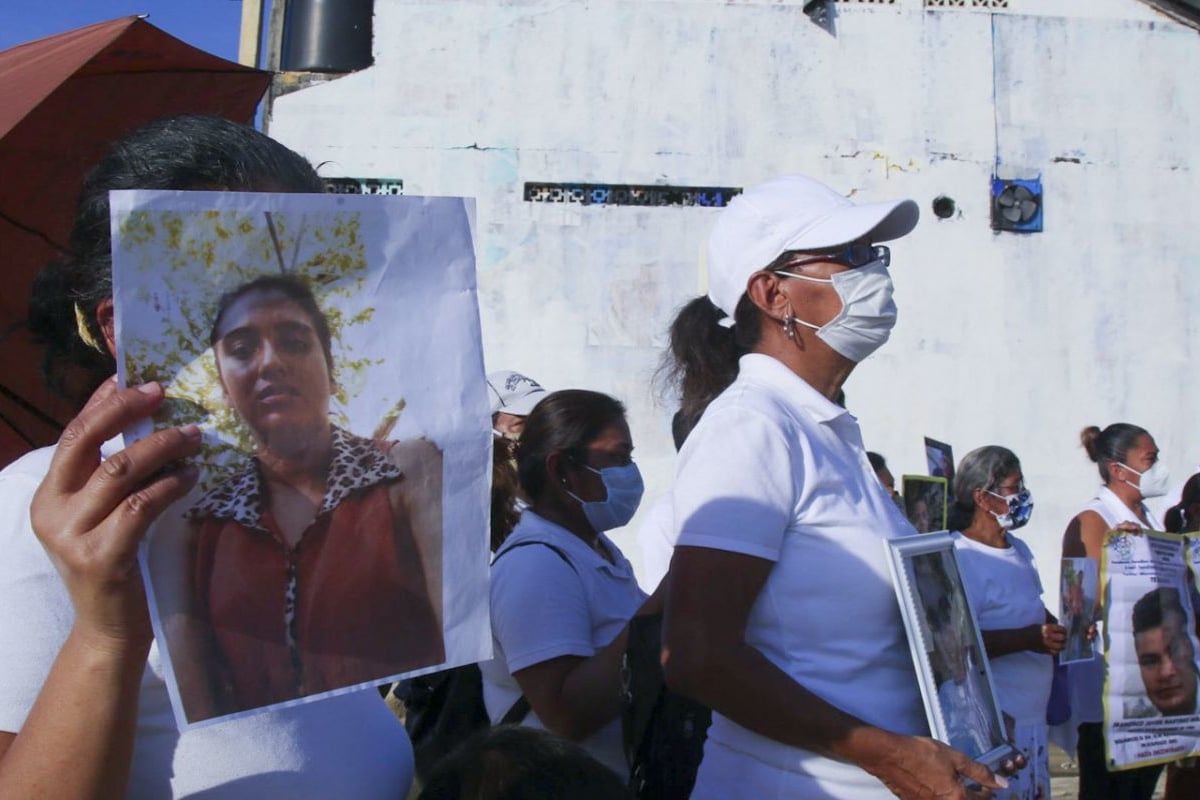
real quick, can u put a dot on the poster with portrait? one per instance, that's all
(328, 347)
(1078, 581)
(1150, 647)
(947, 647)
(925, 502)
(940, 458)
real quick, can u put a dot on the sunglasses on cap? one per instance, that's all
(854, 255)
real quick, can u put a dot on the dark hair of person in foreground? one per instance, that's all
(511, 762)
(183, 153)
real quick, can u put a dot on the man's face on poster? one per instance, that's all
(1167, 663)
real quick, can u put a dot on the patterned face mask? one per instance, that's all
(1020, 508)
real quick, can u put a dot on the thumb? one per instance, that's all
(974, 771)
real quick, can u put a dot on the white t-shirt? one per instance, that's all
(346, 746)
(545, 608)
(656, 540)
(777, 471)
(1006, 592)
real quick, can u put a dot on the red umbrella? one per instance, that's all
(63, 100)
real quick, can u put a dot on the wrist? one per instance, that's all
(104, 647)
(869, 747)
(1035, 638)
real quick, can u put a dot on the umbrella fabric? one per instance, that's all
(63, 100)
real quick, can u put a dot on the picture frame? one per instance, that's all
(947, 647)
(1078, 585)
(940, 458)
(926, 502)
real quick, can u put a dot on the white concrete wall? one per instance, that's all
(1011, 339)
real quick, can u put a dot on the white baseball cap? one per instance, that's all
(513, 393)
(792, 212)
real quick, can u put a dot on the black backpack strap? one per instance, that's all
(558, 551)
(521, 708)
(518, 712)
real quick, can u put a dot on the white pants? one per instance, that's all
(726, 773)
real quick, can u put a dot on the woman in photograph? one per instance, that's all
(316, 564)
(562, 592)
(781, 614)
(1127, 459)
(1001, 579)
(84, 706)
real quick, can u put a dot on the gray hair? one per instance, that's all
(982, 468)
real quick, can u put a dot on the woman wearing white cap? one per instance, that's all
(801, 652)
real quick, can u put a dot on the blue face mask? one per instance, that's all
(623, 487)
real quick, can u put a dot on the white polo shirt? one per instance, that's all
(656, 540)
(777, 471)
(544, 608)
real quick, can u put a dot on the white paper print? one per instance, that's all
(329, 347)
(1150, 647)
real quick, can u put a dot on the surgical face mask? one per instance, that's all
(1153, 482)
(623, 486)
(868, 312)
(1020, 508)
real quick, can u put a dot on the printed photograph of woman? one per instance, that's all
(316, 564)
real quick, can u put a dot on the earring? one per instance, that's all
(789, 330)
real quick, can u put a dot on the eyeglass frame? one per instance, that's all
(852, 255)
(1021, 489)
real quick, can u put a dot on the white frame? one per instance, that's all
(901, 551)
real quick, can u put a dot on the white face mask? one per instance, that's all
(868, 312)
(1153, 482)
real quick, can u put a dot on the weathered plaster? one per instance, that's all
(1013, 339)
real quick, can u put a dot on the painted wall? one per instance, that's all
(1011, 339)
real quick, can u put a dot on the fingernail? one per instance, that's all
(191, 431)
(149, 388)
(1000, 779)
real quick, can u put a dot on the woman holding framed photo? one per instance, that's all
(1001, 579)
(781, 614)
